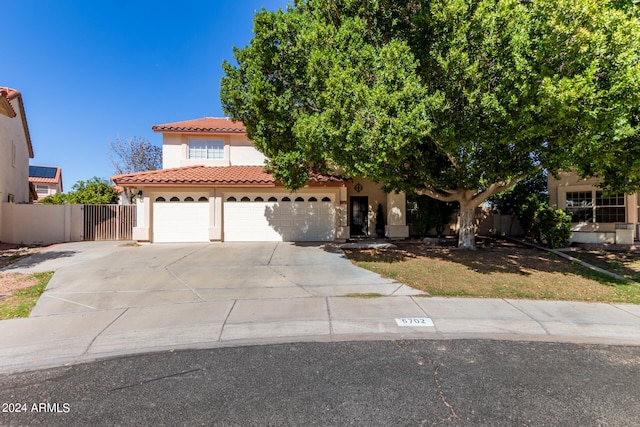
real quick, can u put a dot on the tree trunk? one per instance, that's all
(467, 232)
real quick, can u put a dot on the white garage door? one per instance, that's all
(181, 219)
(251, 218)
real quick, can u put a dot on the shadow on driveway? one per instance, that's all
(37, 259)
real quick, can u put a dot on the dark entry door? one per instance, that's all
(359, 215)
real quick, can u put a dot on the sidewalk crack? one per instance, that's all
(617, 306)
(529, 316)
(71, 302)
(84, 353)
(224, 322)
(331, 331)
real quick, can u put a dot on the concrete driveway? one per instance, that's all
(94, 276)
(108, 299)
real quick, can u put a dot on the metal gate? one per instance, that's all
(109, 222)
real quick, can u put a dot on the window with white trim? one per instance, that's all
(594, 206)
(42, 190)
(209, 149)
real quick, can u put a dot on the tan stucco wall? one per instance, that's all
(600, 232)
(239, 151)
(14, 177)
(373, 192)
(40, 224)
(567, 181)
(394, 206)
(171, 151)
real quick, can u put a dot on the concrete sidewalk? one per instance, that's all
(198, 296)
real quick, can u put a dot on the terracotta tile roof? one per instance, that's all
(45, 174)
(6, 95)
(213, 176)
(206, 124)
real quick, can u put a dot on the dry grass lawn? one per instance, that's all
(626, 264)
(496, 270)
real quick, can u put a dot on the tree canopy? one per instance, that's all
(455, 99)
(94, 191)
(132, 155)
(135, 154)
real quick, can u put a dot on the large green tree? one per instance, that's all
(94, 191)
(455, 99)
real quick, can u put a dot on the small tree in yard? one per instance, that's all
(454, 99)
(94, 191)
(554, 226)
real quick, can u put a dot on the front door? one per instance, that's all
(359, 215)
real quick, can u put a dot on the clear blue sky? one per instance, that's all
(92, 70)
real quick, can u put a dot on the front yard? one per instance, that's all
(19, 293)
(498, 269)
(624, 263)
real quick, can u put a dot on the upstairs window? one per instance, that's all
(42, 190)
(209, 149)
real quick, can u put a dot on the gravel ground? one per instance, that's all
(10, 253)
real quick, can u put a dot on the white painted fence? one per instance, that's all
(47, 224)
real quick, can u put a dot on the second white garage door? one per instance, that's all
(278, 219)
(180, 220)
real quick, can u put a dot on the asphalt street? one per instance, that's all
(412, 383)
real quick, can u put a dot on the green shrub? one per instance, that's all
(554, 226)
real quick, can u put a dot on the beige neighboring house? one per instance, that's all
(46, 181)
(214, 187)
(597, 218)
(15, 148)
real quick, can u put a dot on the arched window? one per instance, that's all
(286, 199)
(258, 199)
(299, 199)
(231, 199)
(326, 199)
(160, 199)
(174, 199)
(203, 199)
(245, 199)
(188, 199)
(312, 199)
(273, 199)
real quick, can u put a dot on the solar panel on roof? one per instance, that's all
(42, 172)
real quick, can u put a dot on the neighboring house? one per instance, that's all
(214, 187)
(123, 198)
(597, 217)
(15, 148)
(46, 180)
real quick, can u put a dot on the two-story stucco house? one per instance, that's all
(596, 217)
(15, 148)
(46, 180)
(214, 187)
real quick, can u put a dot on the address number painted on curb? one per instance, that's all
(414, 321)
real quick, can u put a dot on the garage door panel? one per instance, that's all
(278, 221)
(181, 222)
